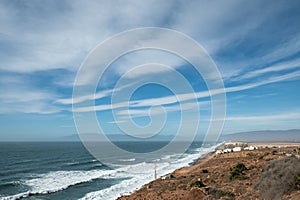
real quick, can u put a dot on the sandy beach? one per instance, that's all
(211, 177)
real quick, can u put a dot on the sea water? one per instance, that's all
(66, 170)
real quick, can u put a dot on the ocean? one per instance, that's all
(66, 170)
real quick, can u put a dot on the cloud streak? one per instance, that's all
(281, 116)
(184, 98)
(283, 66)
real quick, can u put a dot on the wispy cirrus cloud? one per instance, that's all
(264, 118)
(19, 96)
(28, 100)
(98, 95)
(282, 66)
(183, 99)
(151, 110)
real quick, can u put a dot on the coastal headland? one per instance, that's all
(253, 171)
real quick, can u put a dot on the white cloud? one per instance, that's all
(19, 96)
(98, 95)
(137, 58)
(264, 118)
(287, 48)
(146, 72)
(183, 98)
(24, 95)
(101, 107)
(151, 110)
(45, 37)
(232, 69)
(28, 101)
(60, 38)
(288, 65)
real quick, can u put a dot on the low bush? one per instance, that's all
(279, 177)
(197, 184)
(217, 193)
(236, 172)
(252, 167)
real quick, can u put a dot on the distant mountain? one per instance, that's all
(112, 137)
(252, 136)
(264, 136)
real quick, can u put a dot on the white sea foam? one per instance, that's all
(128, 160)
(140, 178)
(60, 180)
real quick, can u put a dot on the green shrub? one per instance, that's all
(236, 172)
(297, 181)
(197, 184)
(252, 167)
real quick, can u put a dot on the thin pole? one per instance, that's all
(155, 176)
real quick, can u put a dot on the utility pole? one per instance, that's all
(155, 176)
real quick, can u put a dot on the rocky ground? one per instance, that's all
(210, 178)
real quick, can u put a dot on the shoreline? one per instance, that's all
(178, 186)
(202, 159)
(161, 173)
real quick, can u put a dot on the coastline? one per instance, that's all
(181, 170)
(216, 180)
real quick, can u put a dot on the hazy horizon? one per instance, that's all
(290, 135)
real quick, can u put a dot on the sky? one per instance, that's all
(255, 45)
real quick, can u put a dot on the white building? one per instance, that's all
(227, 151)
(219, 152)
(251, 148)
(236, 149)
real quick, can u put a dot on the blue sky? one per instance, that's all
(254, 44)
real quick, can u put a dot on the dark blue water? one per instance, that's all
(66, 170)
